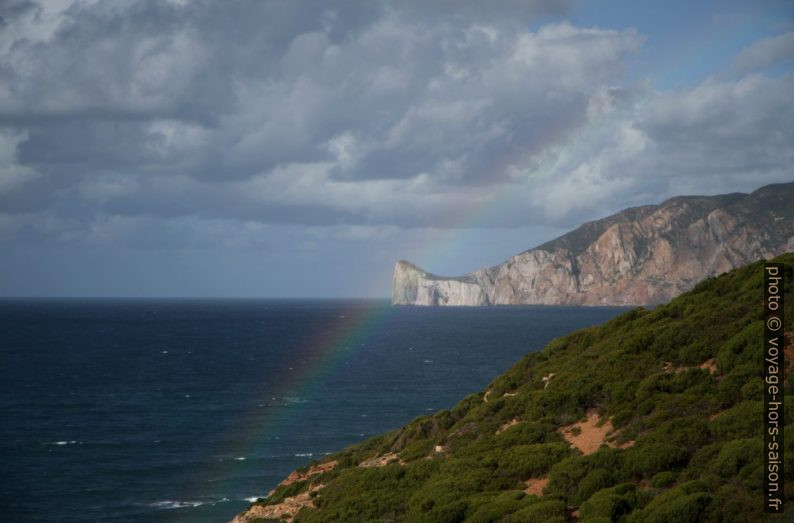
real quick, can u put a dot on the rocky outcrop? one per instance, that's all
(286, 510)
(288, 507)
(639, 256)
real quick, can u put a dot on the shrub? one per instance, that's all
(730, 388)
(663, 479)
(690, 432)
(681, 509)
(735, 503)
(737, 454)
(647, 460)
(494, 508)
(743, 348)
(610, 503)
(525, 461)
(741, 421)
(594, 481)
(546, 511)
(753, 389)
(568, 475)
(682, 504)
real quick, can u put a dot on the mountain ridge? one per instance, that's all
(638, 256)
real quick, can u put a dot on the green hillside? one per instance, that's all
(677, 392)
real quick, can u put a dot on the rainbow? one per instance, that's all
(321, 356)
(314, 361)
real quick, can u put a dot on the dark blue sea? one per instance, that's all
(184, 410)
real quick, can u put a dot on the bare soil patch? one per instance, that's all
(710, 365)
(535, 485)
(590, 434)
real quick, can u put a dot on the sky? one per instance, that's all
(261, 148)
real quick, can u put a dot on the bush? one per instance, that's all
(741, 421)
(683, 504)
(525, 461)
(753, 389)
(745, 347)
(594, 481)
(647, 460)
(610, 503)
(493, 508)
(735, 503)
(546, 511)
(730, 388)
(737, 454)
(681, 509)
(663, 479)
(568, 476)
(524, 433)
(690, 432)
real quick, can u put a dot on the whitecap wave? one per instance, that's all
(61, 443)
(169, 504)
(304, 454)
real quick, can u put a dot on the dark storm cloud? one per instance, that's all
(12, 10)
(226, 91)
(371, 113)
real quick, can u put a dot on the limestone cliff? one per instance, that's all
(642, 255)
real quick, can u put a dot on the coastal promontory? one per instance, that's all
(639, 256)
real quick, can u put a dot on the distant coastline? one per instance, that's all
(640, 256)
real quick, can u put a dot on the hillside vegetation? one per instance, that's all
(653, 417)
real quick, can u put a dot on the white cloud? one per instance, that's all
(719, 136)
(766, 52)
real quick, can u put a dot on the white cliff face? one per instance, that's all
(640, 256)
(450, 292)
(413, 286)
(405, 283)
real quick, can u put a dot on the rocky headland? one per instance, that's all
(639, 256)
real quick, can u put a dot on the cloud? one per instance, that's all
(12, 175)
(373, 116)
(742, 127)
(646, 145)
(257, 84)
(766, 52)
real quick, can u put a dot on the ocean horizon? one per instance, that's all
(172, 409)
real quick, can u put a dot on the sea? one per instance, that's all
(188, 410)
